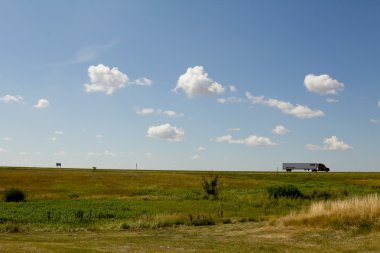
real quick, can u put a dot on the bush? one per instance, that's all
(73, 195)
(284, 191)
(210, 186)
(14, 195)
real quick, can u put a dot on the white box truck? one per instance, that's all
(314, 167)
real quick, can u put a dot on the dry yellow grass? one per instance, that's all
(354, 212)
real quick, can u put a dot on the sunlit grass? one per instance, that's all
(355, 212)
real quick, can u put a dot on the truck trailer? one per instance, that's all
(314, 167)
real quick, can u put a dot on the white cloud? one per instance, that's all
(7, 138)
(378, 103)
(236, 129)
(167, 113)
(374, 121)
(280, 130)
(99, 136)
(3, 151)
(222, 100)
(144, 111)
(299, 111)
(109, 153)
(232, 88)
(313, 147)
(322, 84)
(173, 114)
(105, 79)
(201, 149)
(143, 81)
(252, 140)
(53, 138)
(8, 99)
(229, 100)
(196, 82)
(58, 132)
(332, 100)
(166, 132)
(42, 103)
(196, 157)
(331, 143)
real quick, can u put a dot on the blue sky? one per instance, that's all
(190, 85)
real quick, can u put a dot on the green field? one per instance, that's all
(76, 210)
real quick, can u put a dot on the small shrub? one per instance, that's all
(73, 195)
(210, 186)
(284, 191)
(14, 195)
(322, 194)
(12, 228)
(201, 220)
(125, 226)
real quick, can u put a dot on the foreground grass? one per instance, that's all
(356, 212)
(247, 237)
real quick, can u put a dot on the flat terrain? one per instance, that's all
(70, 210)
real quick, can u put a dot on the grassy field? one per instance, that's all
(80, 210)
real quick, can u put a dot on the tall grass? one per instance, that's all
(355, 212)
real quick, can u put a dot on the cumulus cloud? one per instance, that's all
(252, 140)
(105, 79)
(166, 132)
(322, 84)
(172, 114)
(378, 103)
(332, 100)
(280, 130)
(42, 103)
(98, 136)
(53, 138)
(299, 111)
(196, 82)
(145, 111)
(374, 121)
(330, 143)
(167, 113)
(8, 99)
(232, 88)
(143, 81)
(58, 132)
(3, 151)
(7, 138)
(229, 100)
(196, 157)
(109, 153)
(200, 149)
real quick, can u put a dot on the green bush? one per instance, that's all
(284, 191)
(210, 186)
(14, 195)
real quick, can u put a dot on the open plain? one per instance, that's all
(83, 210)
